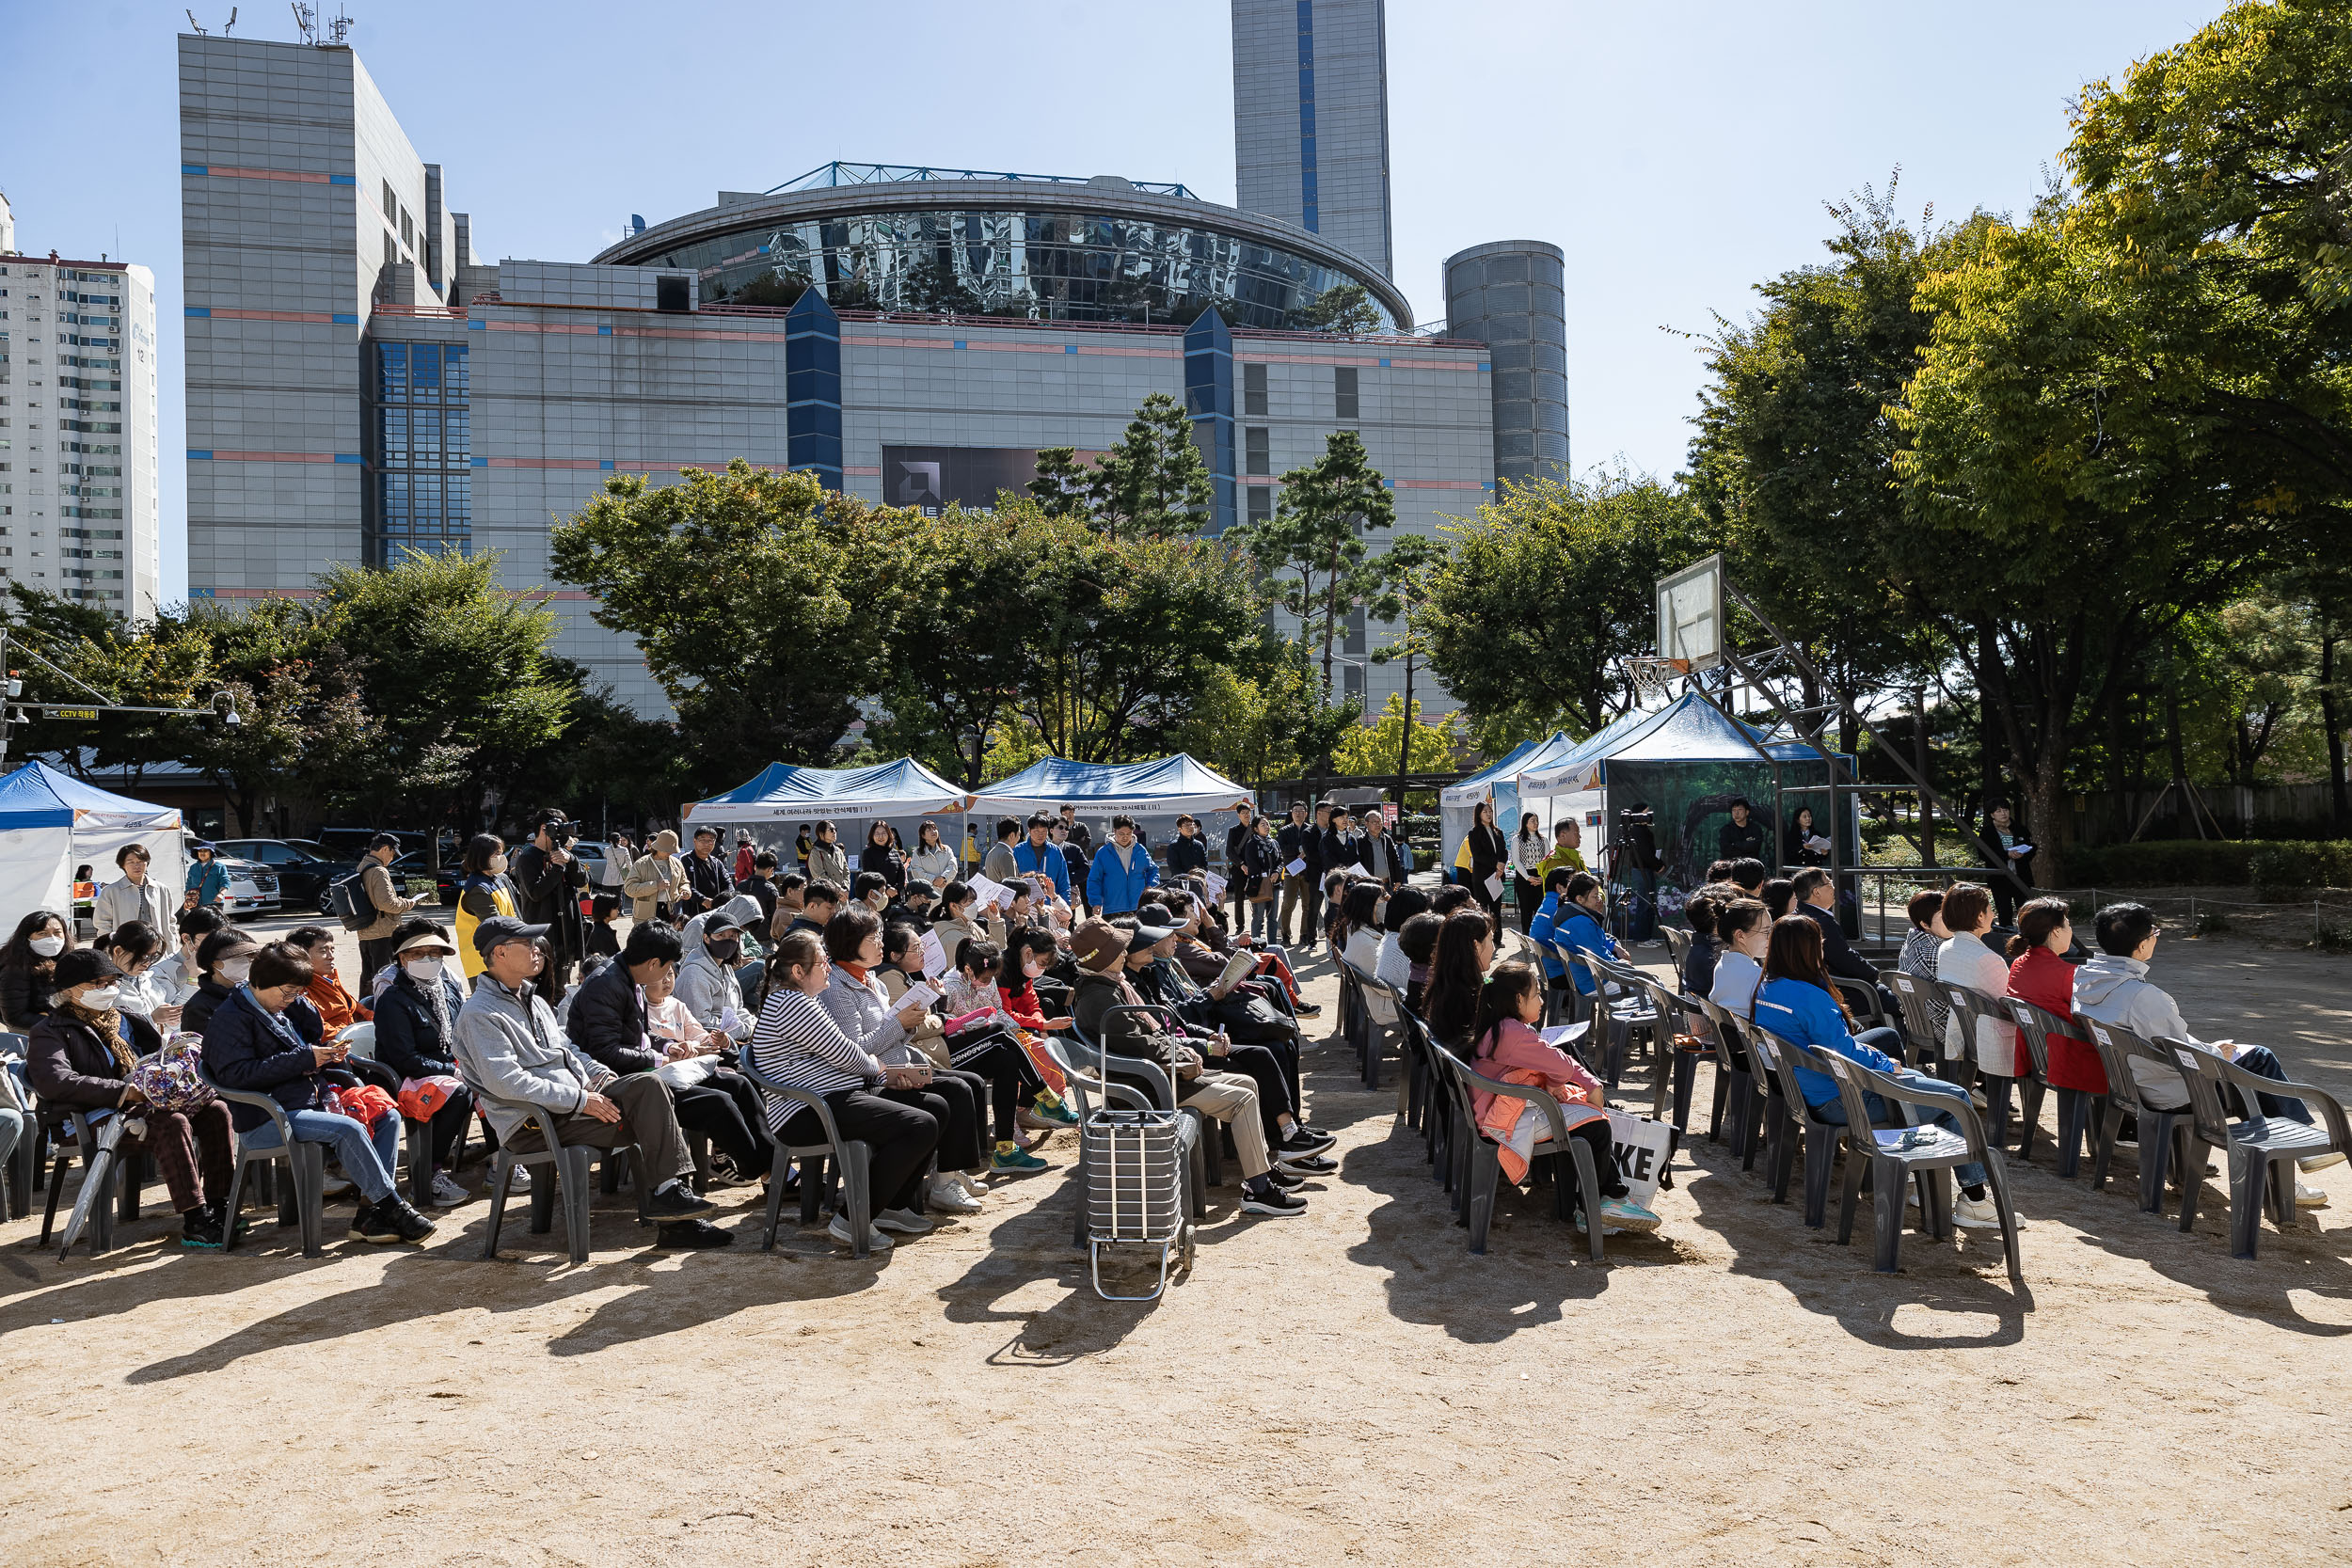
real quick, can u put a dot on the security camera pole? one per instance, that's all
(12, 713)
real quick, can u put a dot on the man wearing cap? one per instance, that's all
(707, 982)
(1103, 950)
(514, 1056)
(376, 943)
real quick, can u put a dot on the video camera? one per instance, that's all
(1636, 815)
(563, 834)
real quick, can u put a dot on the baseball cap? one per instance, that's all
(1097, 942)
(1147, 937)
(503, 928)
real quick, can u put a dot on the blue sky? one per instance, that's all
(1678, 152)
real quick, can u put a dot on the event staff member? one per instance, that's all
(1742, 837)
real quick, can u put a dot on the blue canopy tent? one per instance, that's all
(1499, 781)
(772, 806)
(51, 822)
(1687, 761)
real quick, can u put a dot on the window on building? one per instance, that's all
(1258, 448)
(391, 251)
(391, 204)
(1261, 502)
(1352, 681)
(407, 230)
(1253, 390)
(1351, 639)
(1344, 393)
(421, 494)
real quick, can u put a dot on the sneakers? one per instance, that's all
(1287, 1181)
(1270, 1200)
(201, 1228)
(335, 1186)
(723, 1168)
(696, 1235)
(947, 1194)
(389, 1222)
(1308, 1009)
(1015, 1162)
(839, 1231)
(906, 1222)
(975, 1184)
(1975, 1213)
(1626, 1215)
(446, 1192)
(1307, 1165)
(2309, 1198)
(2321, 1161)
(518, 1182)
(1298, 1138)
(674, 1201)
(1043, 1118)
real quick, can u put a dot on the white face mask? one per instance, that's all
(49, 947)
(498, 865)
(100, 999)
(233, 972)
(425, 970)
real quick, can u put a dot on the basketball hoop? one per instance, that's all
(1651, 676)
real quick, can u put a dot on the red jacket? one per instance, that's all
(2042, 977)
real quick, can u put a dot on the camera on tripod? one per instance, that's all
(1634, 816)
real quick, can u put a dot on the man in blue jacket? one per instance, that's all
(1036, 856)
(1121, 870)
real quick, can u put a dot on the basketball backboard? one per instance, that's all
(1691, 614)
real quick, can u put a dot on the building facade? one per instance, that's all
(1311, 119)
(80, 475)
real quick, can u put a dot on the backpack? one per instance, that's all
(347, 900)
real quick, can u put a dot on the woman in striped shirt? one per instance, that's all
(799, 1046)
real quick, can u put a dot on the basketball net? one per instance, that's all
(1652, 677)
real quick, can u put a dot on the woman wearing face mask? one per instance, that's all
(416, 1020)
(80, 1059)
(265, 1039)
(27, 966)
(223, 961)
(486, 891)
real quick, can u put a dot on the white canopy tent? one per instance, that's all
(1153, 793)
(51, 822)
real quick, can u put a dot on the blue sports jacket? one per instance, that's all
(1802, 1013)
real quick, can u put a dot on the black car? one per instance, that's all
(303, 873)
(409, 876)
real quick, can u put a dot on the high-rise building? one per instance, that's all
(79, 492)
(1311, 119)
(304, 210)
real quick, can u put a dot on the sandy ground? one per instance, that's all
(1348, 1387)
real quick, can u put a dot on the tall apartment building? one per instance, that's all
(1311, 119)
(80, 513)
(303, 208)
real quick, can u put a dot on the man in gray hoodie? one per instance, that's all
(2113, 989)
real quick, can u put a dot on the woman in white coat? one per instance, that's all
(1966, 961)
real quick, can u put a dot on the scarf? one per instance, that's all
(109, 1027)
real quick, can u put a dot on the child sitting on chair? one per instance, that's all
(1505, 1046)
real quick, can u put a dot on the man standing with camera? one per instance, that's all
(547, 879)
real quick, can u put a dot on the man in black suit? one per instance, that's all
(1816, 895)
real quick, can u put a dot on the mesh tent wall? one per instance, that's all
(781, 798)
(1457, 803)
(51, 822)
(1153, 793)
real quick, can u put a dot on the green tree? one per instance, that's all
(456, 672)
(1374, 749)
(1344, 308)
(1316, 536)
(770, 287)
(1406, 572)
(1262, 724)
(763, 621)
(1152, 482)
(1548, 593)
(304, 728)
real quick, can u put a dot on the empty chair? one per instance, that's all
(2260, 1150)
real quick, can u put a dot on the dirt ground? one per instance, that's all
(1350, 1385)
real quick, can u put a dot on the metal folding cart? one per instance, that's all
(1134, 1164)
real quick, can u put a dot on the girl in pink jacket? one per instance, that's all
(1505, 1046)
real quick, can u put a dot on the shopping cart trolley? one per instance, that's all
(1134, 1164)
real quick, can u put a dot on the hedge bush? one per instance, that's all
(2290, 868)
(2171, 863)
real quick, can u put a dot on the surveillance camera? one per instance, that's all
(230, 719)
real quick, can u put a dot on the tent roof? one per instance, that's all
(38, 796)
(782, 789)
(1689, 729)
(1526, 755)
(1169, 784)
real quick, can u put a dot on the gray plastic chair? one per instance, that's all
(101, 1192)
(1972, 1007)
(2076, 1108)
(1482, 1168)
(831, 1158)
(1163, 1087)
(1677, 945)
(23, 1172)
(1678, 1067)
(572, 1166)
(1821, 1138)
(2118, 1048)
(416, 1136)
(1738, 1086)
(2261, 1150)
(303, 1200)
(1918, 1021)
(1899, 1156)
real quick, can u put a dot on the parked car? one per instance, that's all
(303, 870)
(411, 877)
(252, 886)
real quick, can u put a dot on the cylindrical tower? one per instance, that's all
(1512, 296)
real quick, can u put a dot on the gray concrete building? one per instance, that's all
(80, 475)
(1512, 296)
(1311, 119)
(359, 384)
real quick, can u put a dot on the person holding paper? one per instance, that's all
(1803, 844)
(1478, 865)
(963, 916)
(1295, 845)
(2006, 833)
(1122, 869)
(1037, 855)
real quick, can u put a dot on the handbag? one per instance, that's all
(167, 1080)
(1252, 1019)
